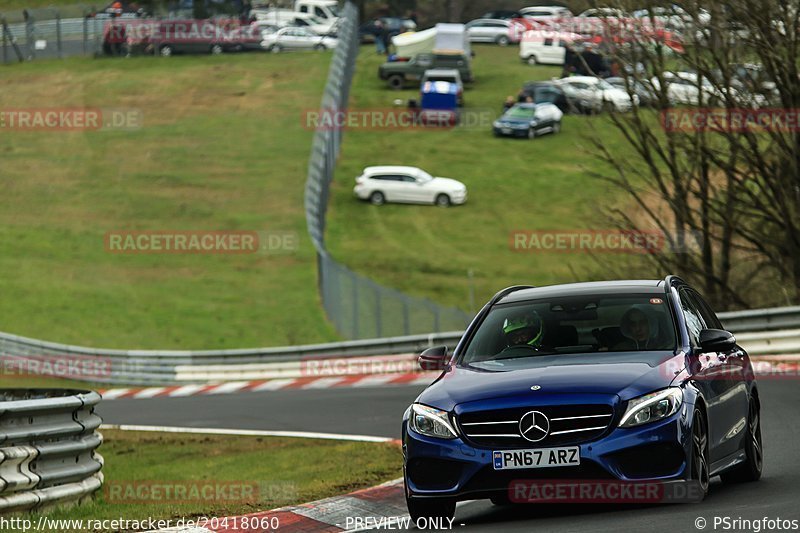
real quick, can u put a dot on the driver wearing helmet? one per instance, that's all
(524, 329)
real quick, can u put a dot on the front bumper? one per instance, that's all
(510, 132)
(456, 469)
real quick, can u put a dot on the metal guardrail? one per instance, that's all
(757, 331)
(48, 443)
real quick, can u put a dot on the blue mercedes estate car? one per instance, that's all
(621, 381)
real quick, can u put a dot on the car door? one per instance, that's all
(552, 53)
(389, 184)
(734, 397)
(411, 191)
(477, 31)
(708, 376)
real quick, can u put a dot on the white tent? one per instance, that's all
(412, 43)
(451, 39)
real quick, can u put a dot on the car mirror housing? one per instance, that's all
(433, 358)
(716, 340)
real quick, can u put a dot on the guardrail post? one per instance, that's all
(378, 318)
(355, 304)
(406, 320)
(58, 35)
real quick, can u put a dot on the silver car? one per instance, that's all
(293, 38)
(497, 31)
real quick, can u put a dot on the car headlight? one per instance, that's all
(497, 124)
(652, 407)
(431, 422)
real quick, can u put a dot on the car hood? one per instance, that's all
(625, 374)
(515, 120)
(446, 183)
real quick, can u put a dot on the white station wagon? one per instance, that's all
(408, 185)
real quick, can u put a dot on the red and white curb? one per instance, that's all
(178, 391)
(384, 505)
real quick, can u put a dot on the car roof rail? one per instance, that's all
(508, 290)
(672, 278)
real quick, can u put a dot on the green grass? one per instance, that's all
(222, 148)
(276, 471)
(513, 185)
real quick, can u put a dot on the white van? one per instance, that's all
(327, 10)
(544, 47)
(287, 17)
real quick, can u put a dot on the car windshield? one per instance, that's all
(581, 324)
(521, 112)
(423, 176)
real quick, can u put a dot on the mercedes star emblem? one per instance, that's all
(534, 426)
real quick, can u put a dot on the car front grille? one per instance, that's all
(568, 425)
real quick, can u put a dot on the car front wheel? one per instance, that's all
(503, 40)
(532, 61)
(531, 133)
(700, 471)
(320, 48)
(433, 508)
(443, 200)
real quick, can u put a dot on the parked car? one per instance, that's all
(497, 31)
(502, 14)
(327, 10)
(606, 382)
(673, 17)
(439, 102)
(546, 92)
(292, 38)
(689, 89)
(398, 73)
(288, 17)
(528, 120)
(449, 75)
(400, 184)
(603, 12)
(647, 96)
(595, 94)
(545, 13)
(544, 47)
(393, 25)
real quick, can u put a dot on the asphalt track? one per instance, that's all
(377, 411)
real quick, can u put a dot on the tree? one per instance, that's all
(723, 190)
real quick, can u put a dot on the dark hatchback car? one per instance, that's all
(623, 382)
(546, 92)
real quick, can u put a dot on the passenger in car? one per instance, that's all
(640, 327)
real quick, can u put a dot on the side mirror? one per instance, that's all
(716, 340)
(433, 358)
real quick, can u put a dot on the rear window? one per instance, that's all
(577, 324)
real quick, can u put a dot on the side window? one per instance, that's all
(694, 323)
(709, 317)
(319, 12)
(548, 42)
(407, 179)
(303, 9)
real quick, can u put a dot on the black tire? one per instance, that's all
(216, 49)
(166, 50)
(532, 61)
(503, 40)
(750, 470)
(442, 200)
(532, 133)
(699, 464)
(396, 82)
(440, 508)
(556, 127)
(320, 48)
(377, 198)
(276, 49)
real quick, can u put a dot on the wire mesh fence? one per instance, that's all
(357, 306)
(29, 34)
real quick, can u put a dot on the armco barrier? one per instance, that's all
(754, 329)
(48, 443)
